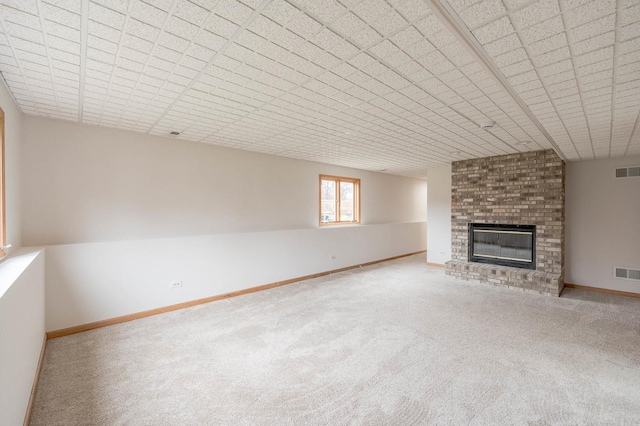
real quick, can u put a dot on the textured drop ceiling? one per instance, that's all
(399, 86)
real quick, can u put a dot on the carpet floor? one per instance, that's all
(397, 343)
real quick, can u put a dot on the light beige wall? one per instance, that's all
(88, 184)
(439, 215)
(124, 214)
(21, 286)
(22, 324)
(95, 281)
(602, 224)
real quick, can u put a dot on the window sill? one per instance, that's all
(338, 225)
(13, 266)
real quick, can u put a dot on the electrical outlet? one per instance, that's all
(332, 257)
(176, 284)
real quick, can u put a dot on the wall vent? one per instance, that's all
(627, 172)
(626, 273)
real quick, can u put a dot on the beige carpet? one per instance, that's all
(393, 344)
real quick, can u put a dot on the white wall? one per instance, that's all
(21, 331)
(123, 214)
(95, 281)
(87, 184)
(602, 224)
(21, 286)
(12, 148)
(439, 215)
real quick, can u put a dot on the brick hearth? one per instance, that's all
(525, 189)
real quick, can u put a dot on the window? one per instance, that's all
(3, 237)
(339, 200)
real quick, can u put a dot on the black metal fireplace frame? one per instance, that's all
(503, 227)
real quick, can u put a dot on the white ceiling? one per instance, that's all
(387, 85)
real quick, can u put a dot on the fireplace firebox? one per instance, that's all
(506, 245)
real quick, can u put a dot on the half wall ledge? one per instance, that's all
(530, 281)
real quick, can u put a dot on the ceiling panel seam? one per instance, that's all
(19, 64)
(580, 91)
(366, 50)
(635, 131)
(84, 33)
(346, 60)
(451, 19)
(116, 56)
(146, 64)
(46, 49)
(256, 12)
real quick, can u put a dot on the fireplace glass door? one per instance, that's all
(509, 245)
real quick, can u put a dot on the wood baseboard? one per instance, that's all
(34, 387)
(439, 265)
(117, 320)
(603, 290)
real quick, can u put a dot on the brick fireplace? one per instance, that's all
(514, 189)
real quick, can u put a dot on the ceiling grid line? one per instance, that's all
(450, 16)
(408, 78)
(117, 55)
(146, 64)
(394, 85)
(635, 131)
(256, 12)
(19, 65)
(302, 84)
(365, 49)
(576, 71)
(175, 64)
(344, 61)
(546, 90)
(84, 25)
(46, 49)
(616, 38)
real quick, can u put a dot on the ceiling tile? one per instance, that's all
(17, 16)
(482, 12)
(503, 45)
(593, 28)
(552, 43)
(24, 33)
(595, 56)
(61, 16)
(494, 30)
(234, 11)
(543, 30)
(280, 11)
(413, 10)
(630, 31)
(299, 67)
(552, 57)
(372, 9)
(180, 27)
(147, 13)
(305, 26)
(511, 57)
(389, 23)
(536, 12)
(191, 12)
(590, 12)
(106, 16)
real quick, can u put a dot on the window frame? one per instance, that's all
(3, 223)
(356, 200)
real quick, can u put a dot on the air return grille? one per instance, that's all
(627, 172)
(626, 273)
